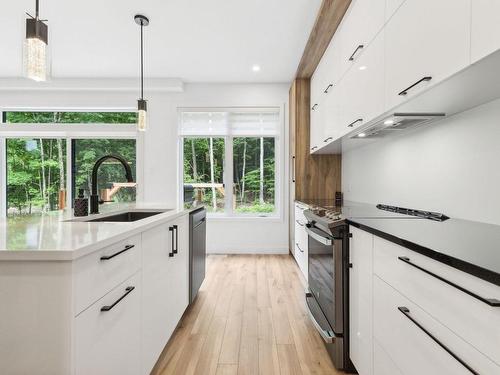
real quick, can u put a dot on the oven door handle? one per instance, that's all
(327, 336)
(317, 235)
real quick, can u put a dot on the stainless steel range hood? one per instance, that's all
(394, 123)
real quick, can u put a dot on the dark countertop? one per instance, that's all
(469, 246)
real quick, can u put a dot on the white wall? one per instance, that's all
(449, 166)
(160, 159)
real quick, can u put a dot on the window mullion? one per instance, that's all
(228, 176)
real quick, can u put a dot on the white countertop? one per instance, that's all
(50, 237)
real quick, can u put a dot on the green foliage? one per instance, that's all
(72, 117)
(34, 179)
(246, 186)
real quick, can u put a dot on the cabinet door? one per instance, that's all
(425, 38)
(485, 26)
(362, 21)
(179, 270)
(158, 322)
(108, 341)
(317, 127)
(362, 90)
(360, 300)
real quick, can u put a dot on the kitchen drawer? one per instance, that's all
(405, 337)
(109, 342)
(473, 320)
(96, 274)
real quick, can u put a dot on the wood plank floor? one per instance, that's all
(249, 318)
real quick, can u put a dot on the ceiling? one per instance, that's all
(195, 40)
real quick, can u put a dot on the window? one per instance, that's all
(230, 160)
(36, 175)
(45, 163)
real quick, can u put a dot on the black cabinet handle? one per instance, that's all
(328, 88)
(127, 292)
(489, 301)
(293, 168)
(176, 230)
(406, 312)
(171, 230)
(354, 122)
(298, 247)
(314, 148)
(314, 107)
(108, 257)
(361, 46)
(327, 139)
(405, 91)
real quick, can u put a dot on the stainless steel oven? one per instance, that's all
(327, 296)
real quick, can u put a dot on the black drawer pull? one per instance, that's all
(489, 301)
(354, 122)
(314, 148)
(361, 46)
(127, 292)
(298, 247)
(108, 257)
(327, 139)
(405, 91)
(406, 312)
(314, 107)
(299, 222)
(328, 88)
(176, 230)
(172, 253)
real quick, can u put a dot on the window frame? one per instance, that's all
(68, 132)
(228, 176)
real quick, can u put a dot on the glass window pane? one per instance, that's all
(36, 175)
(87, 151)
(72, 117)
(254, 174)
(204, 173)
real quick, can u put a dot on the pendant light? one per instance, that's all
(141, 103)
(35, 50)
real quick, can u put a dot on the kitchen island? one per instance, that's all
(91, 297)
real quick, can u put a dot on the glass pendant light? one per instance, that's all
(36, 64)
(141, 103)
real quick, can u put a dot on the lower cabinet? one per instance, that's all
(108, 333)
(360, 300)
(301, 239)
(406, 322)
(165, 285)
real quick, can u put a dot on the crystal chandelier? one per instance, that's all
(35, 50)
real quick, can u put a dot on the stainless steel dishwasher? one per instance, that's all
(197, 250)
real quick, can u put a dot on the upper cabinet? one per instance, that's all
(485, 28)
(426, 41)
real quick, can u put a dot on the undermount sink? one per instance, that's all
(129, 216)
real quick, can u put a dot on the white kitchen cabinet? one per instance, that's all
(360, 95)
(360, 300)
(391, 6)
(471, 319)
(165, 286)
(382, 363)
(362, 21)
(317, 124)
(426, 42)
(403, 329)
(108, 333)
(301, 239)
(485, 28)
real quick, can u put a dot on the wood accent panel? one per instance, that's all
(259, 295)
(327, 21)
(316, 176)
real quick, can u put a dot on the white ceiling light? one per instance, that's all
(256, 68)
(35, 50)
(142, 106)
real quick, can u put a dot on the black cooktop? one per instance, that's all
(470, 246)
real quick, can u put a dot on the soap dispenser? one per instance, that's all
(81, 206)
